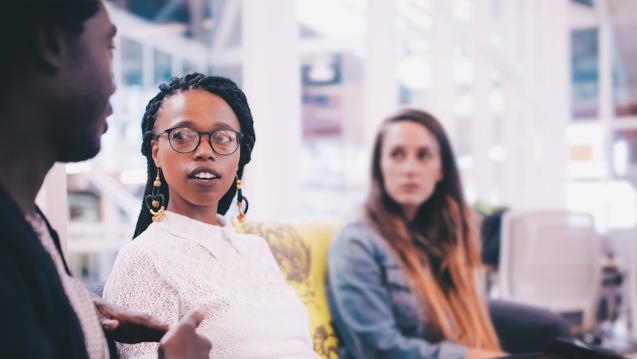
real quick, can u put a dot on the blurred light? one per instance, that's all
(208, 23)
(463, 71)
(620, 157)
(412, 72)
(417, 13)
(464, 105)
(494, 197)
(136, 176)
(498, 153)
(497, 100)
(76, 168)
(587, 133)
(470, 193)
(462, 9)
(496, 40)
(465, 162)
(538, 149)
(322, 70)
(334, 19)
(612, 203)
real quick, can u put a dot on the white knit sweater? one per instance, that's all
(180, 264)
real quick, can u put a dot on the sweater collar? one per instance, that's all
(207, 235)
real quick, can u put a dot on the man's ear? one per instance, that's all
(49, 48)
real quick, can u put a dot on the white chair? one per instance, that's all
(551, 259)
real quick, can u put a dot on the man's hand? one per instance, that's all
(126, 326)
(484, 354)
(183, 342)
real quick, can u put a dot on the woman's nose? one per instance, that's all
(410, 165)
(204, 150)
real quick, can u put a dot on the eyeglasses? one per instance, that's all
(184, 139)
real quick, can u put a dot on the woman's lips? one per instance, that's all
(410, 187)
(203, 181)
(204, 172)
(204, 176)
(204, 184)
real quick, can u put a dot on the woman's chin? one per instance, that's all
(205, 204)
(198, 199)
(410, 202)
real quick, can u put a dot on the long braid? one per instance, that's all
(231, 94)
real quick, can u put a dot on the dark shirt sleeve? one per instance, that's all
(21, 335)
(361, 306)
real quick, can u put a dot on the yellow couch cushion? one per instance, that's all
(301, 251)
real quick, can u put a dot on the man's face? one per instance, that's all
(84, 85)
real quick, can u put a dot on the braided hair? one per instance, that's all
(219, 86)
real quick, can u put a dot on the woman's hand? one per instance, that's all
(182, 342)
(126, 326)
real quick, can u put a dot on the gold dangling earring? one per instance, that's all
(155, 200)
(241, 217)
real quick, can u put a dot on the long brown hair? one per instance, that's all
(438, 249)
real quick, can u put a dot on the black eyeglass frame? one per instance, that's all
(239, 135)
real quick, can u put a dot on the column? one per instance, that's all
(381, 95)
(441, 93)
(271, 81)
(546, 99)
(482, 124)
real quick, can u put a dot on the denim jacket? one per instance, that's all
(374, 309)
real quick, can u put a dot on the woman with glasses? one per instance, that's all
(198, 136)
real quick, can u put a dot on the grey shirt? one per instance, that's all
(374, 309)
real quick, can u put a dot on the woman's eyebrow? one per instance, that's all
(223, 125)
(216, 125)
(183, 123)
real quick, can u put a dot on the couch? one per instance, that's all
(301, 251)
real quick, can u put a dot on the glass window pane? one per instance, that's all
(189, 67)
(624, 70)
(132, 62)
(584, 74)
(163, 66)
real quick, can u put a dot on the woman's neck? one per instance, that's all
(410, 213)
(205, 214)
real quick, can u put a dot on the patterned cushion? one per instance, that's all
(301, 251)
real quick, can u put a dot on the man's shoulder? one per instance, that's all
(23, 260)
(13, 224)
(18, 240)
(22, 277)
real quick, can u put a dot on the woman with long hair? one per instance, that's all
(403, 279)
(198, 135)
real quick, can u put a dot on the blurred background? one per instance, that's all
(539, 98)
